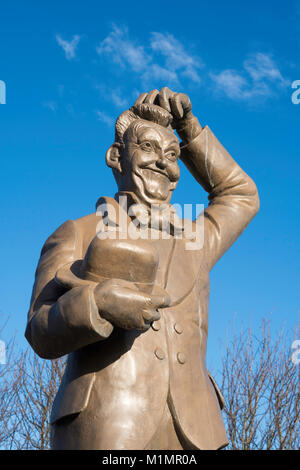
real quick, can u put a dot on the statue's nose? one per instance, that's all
(162, 162)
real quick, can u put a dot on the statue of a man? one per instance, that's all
(132, 313)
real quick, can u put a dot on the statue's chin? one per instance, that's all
(153, 187)
(157, 193)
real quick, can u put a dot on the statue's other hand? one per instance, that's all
(124, 305)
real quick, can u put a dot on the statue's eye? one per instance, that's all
(172, 156)
(146, 146)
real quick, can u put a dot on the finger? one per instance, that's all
(140, 99)
(185, 102)
(176, 106)
(163, 98)
(139, 324)
(143, 326)
(160, 300)
(150, 98)
(150, 315)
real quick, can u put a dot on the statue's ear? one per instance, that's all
(113, 156)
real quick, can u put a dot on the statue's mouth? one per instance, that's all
(156, 183)
(159, 175)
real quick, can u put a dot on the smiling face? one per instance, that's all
(149, 162)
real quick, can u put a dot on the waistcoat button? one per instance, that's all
(178, 328)
(156, 326)
(159, 353)
(181, 358)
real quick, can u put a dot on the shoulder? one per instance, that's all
(70, 232)
(63, 233)
(74, 231)
(86, 225)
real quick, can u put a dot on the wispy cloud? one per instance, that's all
(117, 96)
(69, 47)
(259, 77)
(124, 51)
(262, 67)
(104, 117)
(52, 105)
(118, 99)
(155, 71)
(176, 57)
(164, 57)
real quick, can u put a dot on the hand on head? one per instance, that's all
(177, 104)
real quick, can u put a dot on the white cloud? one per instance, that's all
(259, 77)
(124, 51)
(231, 83)
(114, 95)
(176, 57)
(155, 71)
(262, 67)
(103, 117)
(69, 47)
(164, 57)
(118, 99)
(52, 105)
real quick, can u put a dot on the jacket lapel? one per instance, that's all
(182, 272)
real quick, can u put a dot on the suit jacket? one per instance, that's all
(135, 372)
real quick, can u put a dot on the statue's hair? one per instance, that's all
(146, 111)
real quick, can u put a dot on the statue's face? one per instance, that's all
(150, 162)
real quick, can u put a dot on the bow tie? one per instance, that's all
(124, 213)
(125, 208)
(161, 217)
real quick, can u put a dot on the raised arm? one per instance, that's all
(233, 197)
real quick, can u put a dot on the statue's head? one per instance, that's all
(144, 157)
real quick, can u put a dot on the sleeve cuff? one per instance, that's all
(190, 129)
(101, 326)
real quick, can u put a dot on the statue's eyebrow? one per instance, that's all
(173, 147)
(155, 139)
(173, 144)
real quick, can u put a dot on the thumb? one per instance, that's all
(160, 300)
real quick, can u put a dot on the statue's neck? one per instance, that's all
(128, 198)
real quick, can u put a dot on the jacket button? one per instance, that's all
(159, 354)
(181, 358)
(178, 328)
(156, 325)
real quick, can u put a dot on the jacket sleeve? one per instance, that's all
(233, 197)
(61, 322)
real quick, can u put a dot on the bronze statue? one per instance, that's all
(131, 312)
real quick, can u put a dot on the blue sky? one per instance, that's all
(70, 68)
